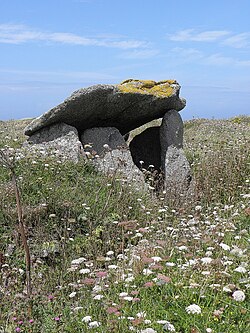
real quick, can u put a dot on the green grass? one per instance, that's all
(145, 258)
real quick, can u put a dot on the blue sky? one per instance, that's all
(50, 48)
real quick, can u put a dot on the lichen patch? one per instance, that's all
(148, 87)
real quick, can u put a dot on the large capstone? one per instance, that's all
(125, 106)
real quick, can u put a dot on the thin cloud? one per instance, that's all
(188, 53)
(206, 36)
(218, 60)
(185, 55)
(139, 54)
(83, 1)
(58, 75)
(18, 34)
(238, 41)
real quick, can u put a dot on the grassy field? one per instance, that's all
(106, 257)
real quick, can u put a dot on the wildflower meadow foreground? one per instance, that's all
(107, 257)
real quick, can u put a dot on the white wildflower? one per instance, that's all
(240, 269)
(156, 259)
(206, 260)
(227, 289)
(77, 308)
(128, 298)
(147, 271)
(72, 294)
(98, 297)
(78, 261)
(237, 251)
(239, 296)
(94, 324)
(97, 288)
(224, 246)
(182, 248)
(86, 319)
(141, 314)
(110, 253)
(162, 322)
(193, 308)
(170, 264)
(84, 271)
(122, 257)
(148, 330)
(169, 327)
(123, 294)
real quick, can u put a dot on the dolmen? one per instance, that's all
(95, 122)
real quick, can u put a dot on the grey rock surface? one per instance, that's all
(60, 140)
(119, 163)
(125, 106)
(177, 171)
(171, 132)
(146, 147)
(98, 137)
(113, 156)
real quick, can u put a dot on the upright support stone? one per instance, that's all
(59, 140)
(110, 153)
(97, 137)
(171, 133)
(175, 165)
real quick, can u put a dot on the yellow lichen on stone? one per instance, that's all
(167, 81)
(147, 87)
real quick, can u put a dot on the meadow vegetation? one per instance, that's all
(106, 257)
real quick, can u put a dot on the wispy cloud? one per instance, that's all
(56, 75)
(192, 35)
(18, 34)
(223, 37)
(238, 41)
(25, 80)
(186, 55)
(139, 54)
(83, 1)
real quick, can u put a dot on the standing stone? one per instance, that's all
(97, 137)
(177, 172)
(145, 147)
(171, 132)
(176, 167)
(110, 153)
(59, 140)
